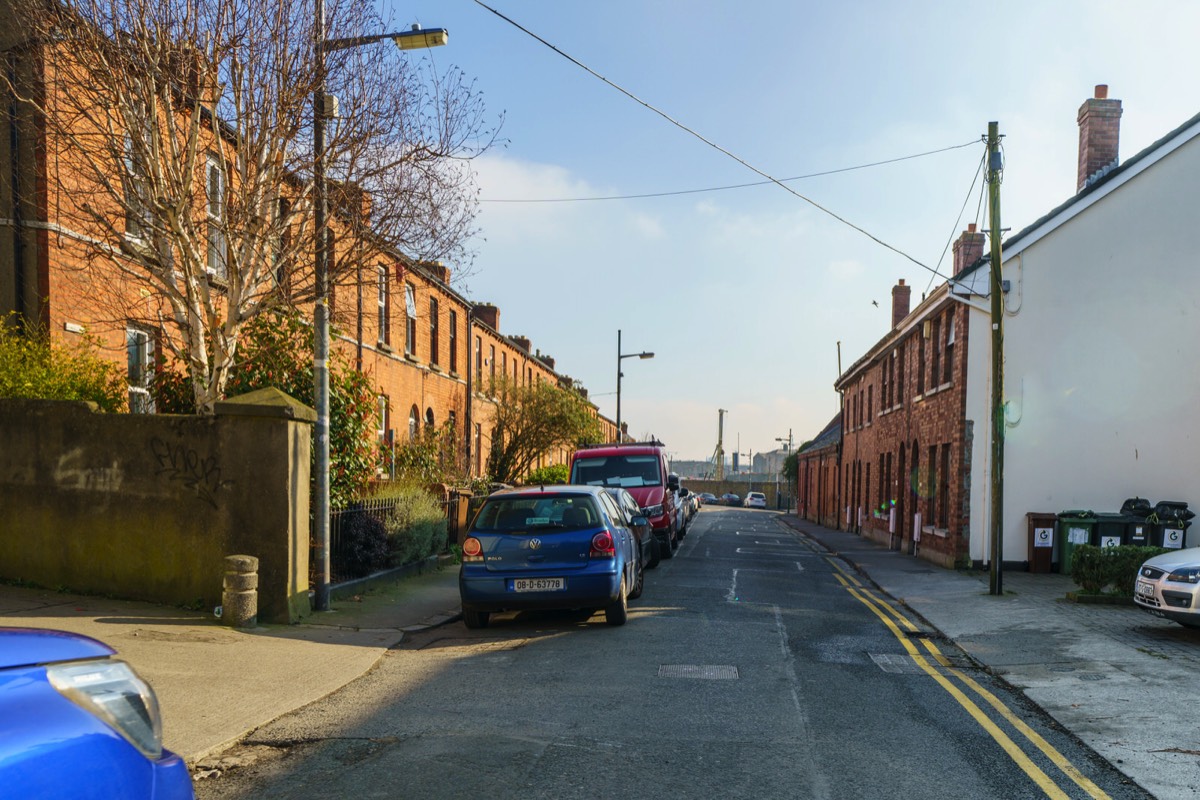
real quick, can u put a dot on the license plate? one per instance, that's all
(1145, 588)
(539, 584)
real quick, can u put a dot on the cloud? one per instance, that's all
(649, 227)
(845, 271)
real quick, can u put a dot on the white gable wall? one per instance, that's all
(1102, 338)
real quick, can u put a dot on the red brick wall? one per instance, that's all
(882, 471)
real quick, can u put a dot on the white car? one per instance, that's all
(1169, 586)
(755, 500)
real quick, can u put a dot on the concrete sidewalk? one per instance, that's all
(1124, 682)
(216, 684)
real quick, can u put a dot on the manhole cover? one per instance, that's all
(710, 672)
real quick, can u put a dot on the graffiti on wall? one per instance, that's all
(70, 474)
(183, 464)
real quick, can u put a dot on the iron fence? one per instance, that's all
(344, 562)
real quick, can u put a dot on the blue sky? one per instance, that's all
(744, 294)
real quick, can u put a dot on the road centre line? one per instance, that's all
(1039, 777)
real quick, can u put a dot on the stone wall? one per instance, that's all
(146, 506)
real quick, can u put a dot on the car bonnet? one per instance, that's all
(1188, 557)
(23, 647)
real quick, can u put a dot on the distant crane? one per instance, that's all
(718, 458)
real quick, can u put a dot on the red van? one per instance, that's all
(641, 469)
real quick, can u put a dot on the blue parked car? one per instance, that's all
(549, 548)
(79, 723)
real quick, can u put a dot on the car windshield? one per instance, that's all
(517, 514)
(622, 470)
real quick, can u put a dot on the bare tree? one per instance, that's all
(179, 153)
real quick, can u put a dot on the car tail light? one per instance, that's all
(472, 550)
(602, 546)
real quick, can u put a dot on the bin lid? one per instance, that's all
(1077, 514)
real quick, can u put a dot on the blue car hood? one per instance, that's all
(23, 647)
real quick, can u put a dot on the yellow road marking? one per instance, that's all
(1031, 769)
(1007, 744)
(837, 565)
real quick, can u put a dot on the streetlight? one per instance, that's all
(405, 40)
(620, 358)
(787, 449)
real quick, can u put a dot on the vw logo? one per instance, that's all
(1147, 573)
(534, 544)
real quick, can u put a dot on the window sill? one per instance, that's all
(411, 358)
(941, 533)
(435, 368)
(384, 347)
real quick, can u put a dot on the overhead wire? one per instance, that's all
(954, 230)
(709, 142)
(677, 192)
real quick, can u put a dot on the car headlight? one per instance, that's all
(653, 511)
(1185, 575)
(112, 691)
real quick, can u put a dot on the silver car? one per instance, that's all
(1169, 586)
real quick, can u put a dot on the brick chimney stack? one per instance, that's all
(1099, 135)
(968, 248)
(901, 295)
(489, 315)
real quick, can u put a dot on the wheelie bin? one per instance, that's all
(1073, 528)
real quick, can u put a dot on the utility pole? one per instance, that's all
(994, 173)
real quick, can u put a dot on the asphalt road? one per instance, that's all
(754, 666)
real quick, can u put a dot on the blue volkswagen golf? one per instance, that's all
(549, 548)
(79, 723)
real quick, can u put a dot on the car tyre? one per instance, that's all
(616, 613)
(667, 550)
(476, 619)
(639, 579)
(655, 556)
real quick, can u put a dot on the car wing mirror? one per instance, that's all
(639, 522)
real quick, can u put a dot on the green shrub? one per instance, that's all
(416, 526)
(1096, 569)
(546, 476)
(364, 543)
(34, 367)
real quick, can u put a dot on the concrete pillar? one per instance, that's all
(239, 599)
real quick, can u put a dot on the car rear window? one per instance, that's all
(622, 470)
(559, 512)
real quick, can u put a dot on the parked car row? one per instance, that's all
(584, 545)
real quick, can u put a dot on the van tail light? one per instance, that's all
(472, 550)
(602, 546)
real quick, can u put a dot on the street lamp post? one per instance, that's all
(405, 40)
(787, 449)
(621, 357)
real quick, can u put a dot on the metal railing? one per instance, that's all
(343, 563)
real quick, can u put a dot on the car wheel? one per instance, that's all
(655, 557)
(617, 613)
(639, 579)
(476, 619)
(667, 549)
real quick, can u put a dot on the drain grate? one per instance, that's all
(708, 672)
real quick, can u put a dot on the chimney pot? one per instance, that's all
(1099, 121)
(901, 297)
(968, 248)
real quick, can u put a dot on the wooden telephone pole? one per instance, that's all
(995, 168)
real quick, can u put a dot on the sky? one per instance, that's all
(745, 294)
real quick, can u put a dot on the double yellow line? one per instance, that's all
(894, 620)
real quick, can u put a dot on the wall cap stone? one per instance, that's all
(269, 402)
